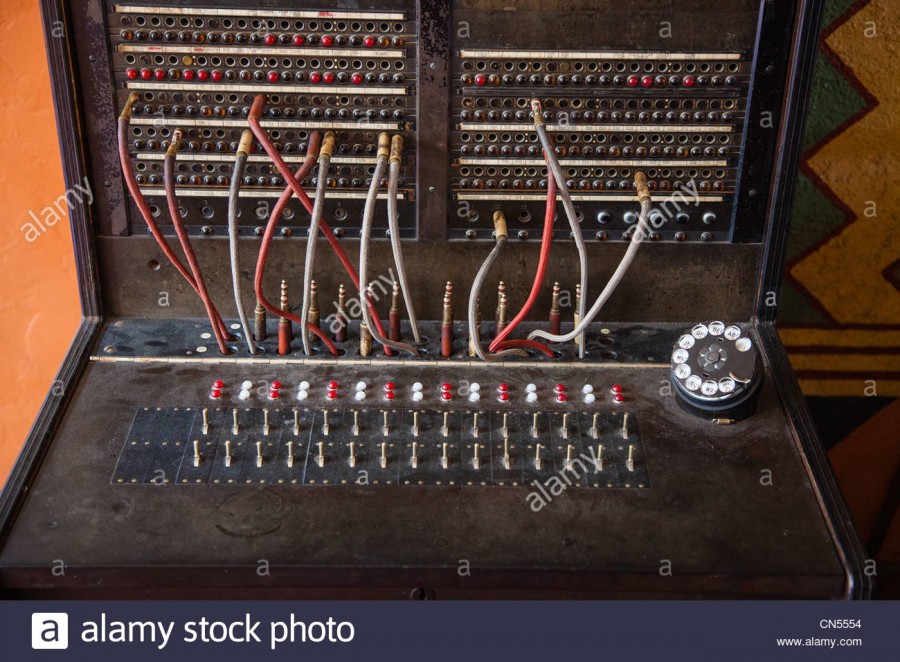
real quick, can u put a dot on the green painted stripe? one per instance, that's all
(833, 100)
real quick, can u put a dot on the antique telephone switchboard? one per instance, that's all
(372, 287)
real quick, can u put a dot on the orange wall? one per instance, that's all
(39, 305)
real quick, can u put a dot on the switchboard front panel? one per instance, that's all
(374, 286)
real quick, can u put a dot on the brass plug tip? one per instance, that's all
(500, 231)
(448, 296)
(396, 148)
(313, 304)
(174, 143)
(327, 145)
(537, 112)
(126, 111)
(395, 297)
(246, 143)
(384, 145)
(640, 185)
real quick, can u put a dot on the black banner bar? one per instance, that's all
(440, 631)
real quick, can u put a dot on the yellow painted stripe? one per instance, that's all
(800, 337)
(850, 387)
(846, 362)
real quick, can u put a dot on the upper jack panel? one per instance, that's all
(198, 69)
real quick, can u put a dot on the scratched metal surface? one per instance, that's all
(135, 338)
(706, 510)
